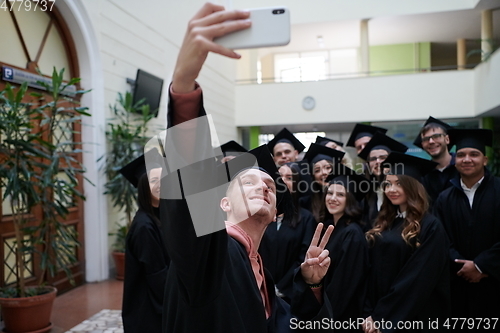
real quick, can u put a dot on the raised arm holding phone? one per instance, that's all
(216, 282)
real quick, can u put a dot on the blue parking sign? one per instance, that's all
(8, 73)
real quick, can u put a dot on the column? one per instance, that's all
(486, 33)
(364, 47)
(461, 53)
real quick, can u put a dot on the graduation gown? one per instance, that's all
(146, 266)
(475, 235)
(210, 284)
(283, 250)
(437, 181)
(370, 203)
(305, 179)
(370, 210)
(344, 285)
(407, 283)
(345, 281)
(305, 202)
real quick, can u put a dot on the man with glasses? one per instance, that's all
(433, 139)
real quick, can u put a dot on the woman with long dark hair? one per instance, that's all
(375, 153)
(409, 278)
(146, 261)
(285, 242)
(322, 161)
(346, 277)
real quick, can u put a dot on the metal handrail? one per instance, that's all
(337, 76)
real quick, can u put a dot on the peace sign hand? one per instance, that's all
(317, 261)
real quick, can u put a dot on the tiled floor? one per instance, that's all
(106, 321)
(81, 303)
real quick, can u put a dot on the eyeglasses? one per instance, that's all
(434, 137)
(379, 157)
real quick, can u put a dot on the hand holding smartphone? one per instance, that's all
(270, 27)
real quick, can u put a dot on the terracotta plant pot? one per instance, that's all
(119, 258)
(28, 314)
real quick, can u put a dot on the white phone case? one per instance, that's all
(270, 27)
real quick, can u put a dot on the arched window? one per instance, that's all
(36, 41)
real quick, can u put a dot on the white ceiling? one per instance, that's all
(440, 27)
(312, 11)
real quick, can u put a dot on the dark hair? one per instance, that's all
(432, 126)
(144, 198)
(352, 209)
(295, 219)
(317, 202)
(417, 206)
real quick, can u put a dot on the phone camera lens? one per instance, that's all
(278, 11)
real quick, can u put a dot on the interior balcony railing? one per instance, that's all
(350, 75)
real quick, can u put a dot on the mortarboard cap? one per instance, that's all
(361, 130)
(317, 152)
(321, 140)
(382, 141)
(232, 146)
(285, 136)
(135, 169)
(431, 120)
(408, 165)
(354, 183)
(471, 138)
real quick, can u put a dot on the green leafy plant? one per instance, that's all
(483, 54)
(120, 237)
(126, 134)
(33, 158)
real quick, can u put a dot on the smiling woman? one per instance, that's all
(347, 247)
(146, 258)
(416, 273)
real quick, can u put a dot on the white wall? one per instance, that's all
(114, 38)
(487, 85)
(149, 38)
(333, 10)
(95, 208)
(397, 98)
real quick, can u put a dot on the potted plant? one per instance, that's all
(127, 135)
(29, 172)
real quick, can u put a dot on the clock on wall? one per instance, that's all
(308, 103)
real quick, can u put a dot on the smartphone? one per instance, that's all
(270, 27)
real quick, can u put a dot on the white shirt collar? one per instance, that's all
(401, 214)
(474, 187)
(470, 192)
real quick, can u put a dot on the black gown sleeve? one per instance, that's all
(308, 225)
(147, 246)
(348, 280)
(489, 260)
(305, 305)
(199, 261)
(439, 210)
